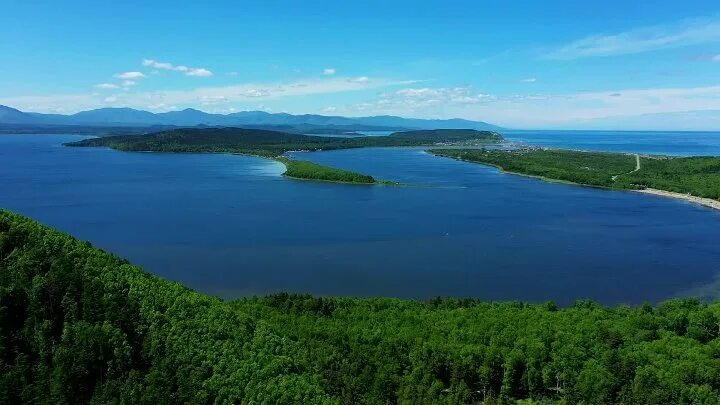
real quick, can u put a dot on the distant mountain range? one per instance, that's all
(190, 117)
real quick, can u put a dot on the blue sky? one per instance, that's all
(523, 64)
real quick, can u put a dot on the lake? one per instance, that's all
(232, 226)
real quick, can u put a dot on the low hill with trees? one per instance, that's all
(80, 325)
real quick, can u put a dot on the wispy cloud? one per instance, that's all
(220, 97)
(163, 65)
(529, 80)
(536, 110)
(329, 71)
(683, 33)
(420, 101)
(107, 86)
(514, 110)
(188, 71)
(716, 58)
(199, 72)
(361, 79)
(130, 75)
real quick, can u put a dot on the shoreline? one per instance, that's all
(532, 176)
(707, 202)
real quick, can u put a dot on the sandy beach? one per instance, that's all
(708, 202)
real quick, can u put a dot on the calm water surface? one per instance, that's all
(231, 225)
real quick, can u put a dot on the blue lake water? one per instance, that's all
(231, 225)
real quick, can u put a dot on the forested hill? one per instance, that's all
(273, 143)
(694, 175)
(78, 325)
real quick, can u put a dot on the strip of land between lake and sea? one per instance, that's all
(535, 160)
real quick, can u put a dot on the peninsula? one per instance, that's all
(273, 144)
(695, 179)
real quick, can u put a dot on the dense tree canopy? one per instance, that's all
(592, 168)
(698, 176)
(303, 169)
(274, 143)
(80, 325)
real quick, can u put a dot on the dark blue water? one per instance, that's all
(230, 225)
(650, 142)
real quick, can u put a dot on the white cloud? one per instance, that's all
(538, 110)
(683, 33)
(424, 97)
(254, 93)
(189, 71)
(232, 73)
(130, 75)
(221, 97)
(329, 71)
(164, 65)
(529, 80)
(431, 102)
(128, 83)
(107, 86)
(361, 79)
(199, 72)
(513, 111)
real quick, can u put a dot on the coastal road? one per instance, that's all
(637, 167)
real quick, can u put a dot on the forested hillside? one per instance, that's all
(78, 324)
(273, 143)
(697, 175)
(591, 168)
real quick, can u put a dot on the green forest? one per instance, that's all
(591, 168)
(303, 169)
(698, 176)
(273, 143)
(80, 325)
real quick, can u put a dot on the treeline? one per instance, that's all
(699, 176)
(461, 351)
(303, 169)
(79, 325)
(592, 168)
(273, 143)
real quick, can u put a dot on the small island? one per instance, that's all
(274, 144)
(695, 179)
(305, 170)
